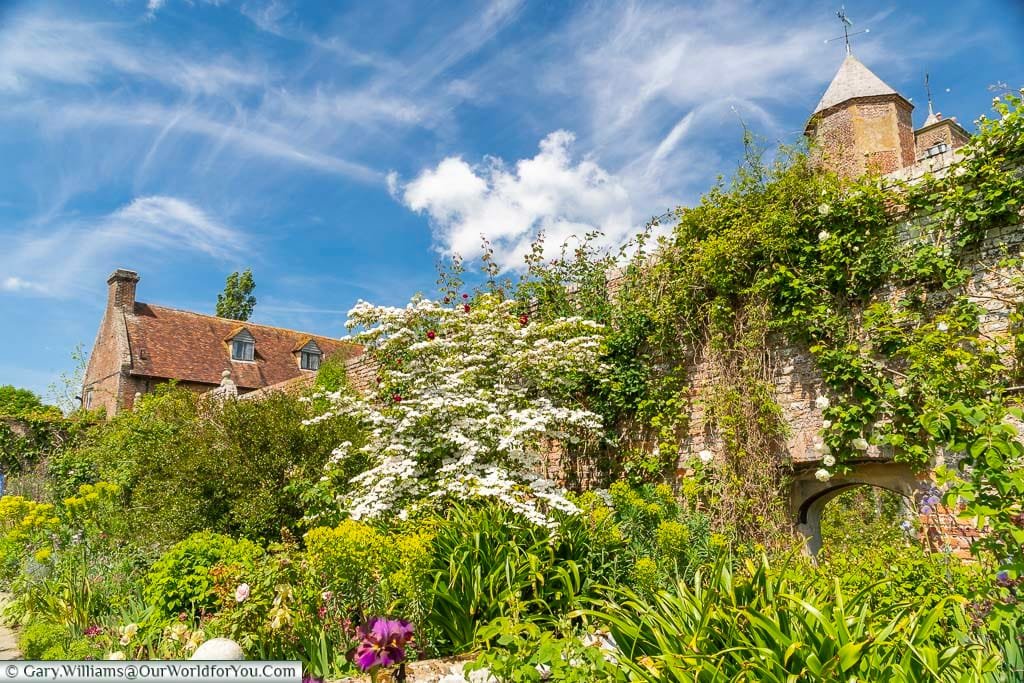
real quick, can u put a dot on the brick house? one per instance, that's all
(140, 346)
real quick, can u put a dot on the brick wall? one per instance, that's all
(796, 378)
(870, 134)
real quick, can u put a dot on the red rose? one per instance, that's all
(465, 296)
(465, 307)
(523, 319)
(431, 334)
(396, 398)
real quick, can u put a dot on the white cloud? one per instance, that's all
(550, 193)
(171, 223)
(41, 48)
(65, 259)
(16, 284)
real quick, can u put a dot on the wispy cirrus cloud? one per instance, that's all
(44, 48)
(656, 95)
(58, 259)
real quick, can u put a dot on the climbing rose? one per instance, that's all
(822, 402)
(431, 335)
(242, 592)
(860, 443)
(523, 319)
(823, 235)
(465, 307)
(829, 460)
(823, 475)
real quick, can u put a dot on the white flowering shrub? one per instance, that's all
(470, 397)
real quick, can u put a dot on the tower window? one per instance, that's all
(243, 346)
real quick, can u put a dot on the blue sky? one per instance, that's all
(340, 149)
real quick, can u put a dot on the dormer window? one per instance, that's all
(243, 346)
(310, 356)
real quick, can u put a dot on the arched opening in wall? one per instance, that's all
(865, 517)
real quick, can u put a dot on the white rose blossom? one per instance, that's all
(822, 475)
(860, 443)
(477, 404)
(822, 402)
(706, 456)
(942, 327)
(829, 460)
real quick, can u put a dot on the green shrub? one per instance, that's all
(241, 468)
(181, 580)
(40, 637)
(348, 560)
(520, 651)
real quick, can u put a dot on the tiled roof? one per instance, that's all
(853, 80)
(174, 344)
(296, 385)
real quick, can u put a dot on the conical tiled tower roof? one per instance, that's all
(853, 80)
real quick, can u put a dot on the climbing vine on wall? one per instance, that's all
(874, 277)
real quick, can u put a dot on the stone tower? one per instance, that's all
(861, 124)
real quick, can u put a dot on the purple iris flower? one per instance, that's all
(926, 510)
(1003, 578)
(382, 643)
(932, 500)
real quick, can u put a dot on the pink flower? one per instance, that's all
(242, 592)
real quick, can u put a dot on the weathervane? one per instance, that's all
(845, 20)
(928, 90)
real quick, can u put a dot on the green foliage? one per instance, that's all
(35, 436)
(490, 563)
(186, 463)
(524, 652)
(237, 300)
(761, 626)
(181, 581)
(39, 637)
(16, 402)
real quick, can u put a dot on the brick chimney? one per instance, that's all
(121, 289)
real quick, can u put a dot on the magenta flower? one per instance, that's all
(93, 630)
(383, 643)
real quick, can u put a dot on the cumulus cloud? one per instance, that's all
(550, 192)
(145, 226)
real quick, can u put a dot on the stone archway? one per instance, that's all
(808, 496)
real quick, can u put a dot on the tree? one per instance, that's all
(471, 397)
(237, 301)
(16, 402)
